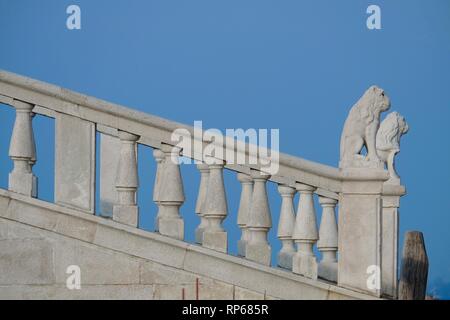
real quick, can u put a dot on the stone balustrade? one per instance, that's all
(308, 248)
(22, 151)
(126, 210)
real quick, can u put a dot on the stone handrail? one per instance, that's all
(122, 129)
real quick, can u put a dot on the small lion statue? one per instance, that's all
(360, 129)
(388, 141)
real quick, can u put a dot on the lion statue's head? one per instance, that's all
(372, 103)
(390, 131)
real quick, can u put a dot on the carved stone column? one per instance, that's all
(200, 204)
(259, 221)
(159, 158)
(171, 195)
(22, 151)
(216, 209)
(126, 211)
(328, 240)
(305, 233)
(286, 226)
(244, 210)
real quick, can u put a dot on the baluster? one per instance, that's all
(286, 226)
(328, 240)
(305, 233)
(244, 210)
(259, 221)
(126, 211)
(159, 157)
(171, 194)
(22, 152)
(33, 161)
(216, 210)
(200, 204)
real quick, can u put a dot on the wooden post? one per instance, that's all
(414, 270)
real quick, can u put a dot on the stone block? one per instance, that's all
(28, 261)
(327, 271)
(3, 229)
(216, 240)
(199, 235)
(172, 227)
(32, 215)
(209, 289)
(154, 273)
(126, 214)
(206, 289)
(75, 227)
(23, 183)
(139, 245)
(11, 230)
(87, 292)
(258, 252)
(4, 203)
(174, 292)
(245, 294)
(305, 265)
(97, 266)
(241, 247)
(285, 259)
(359, 241)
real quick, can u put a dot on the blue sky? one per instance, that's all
(293, 65)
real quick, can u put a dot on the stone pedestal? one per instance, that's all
(126, 214)
(328, 270)
(241, 246)
(360, 230)
(285, 259)
(216, 240)
(304, 262)
(259, 252)
(172, 226)
(23, 183)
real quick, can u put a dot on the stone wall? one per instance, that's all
(38, 241)
(33, 265)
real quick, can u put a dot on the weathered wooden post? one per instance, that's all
(414, 269)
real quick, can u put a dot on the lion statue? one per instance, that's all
(360, 129)
(388, 140)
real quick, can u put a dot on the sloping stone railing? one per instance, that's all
(362, 256)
